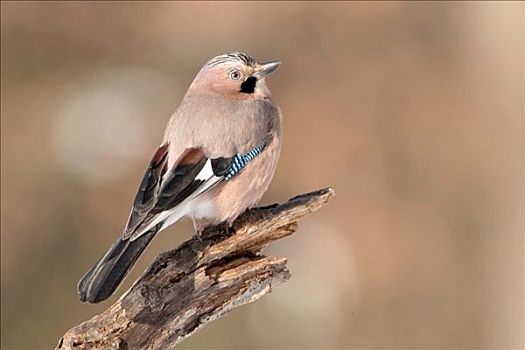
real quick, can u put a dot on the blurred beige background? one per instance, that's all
(412, 111)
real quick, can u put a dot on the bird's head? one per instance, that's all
(234, 75)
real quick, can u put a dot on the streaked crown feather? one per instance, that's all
(233, 57)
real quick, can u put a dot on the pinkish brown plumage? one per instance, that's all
(217, 158)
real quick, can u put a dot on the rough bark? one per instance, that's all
(198, 282)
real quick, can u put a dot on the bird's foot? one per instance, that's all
(230, 230)
(198, 235)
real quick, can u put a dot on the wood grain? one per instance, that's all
(203, 279)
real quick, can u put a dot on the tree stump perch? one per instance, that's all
(198, 282)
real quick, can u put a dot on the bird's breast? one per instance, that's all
(220, 127)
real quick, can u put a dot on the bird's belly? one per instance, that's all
(202, 208)
(231, 198)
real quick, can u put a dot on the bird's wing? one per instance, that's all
(163, 189)
(146, 197)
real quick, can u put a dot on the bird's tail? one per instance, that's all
(104, 277)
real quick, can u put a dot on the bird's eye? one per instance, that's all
(235, 74)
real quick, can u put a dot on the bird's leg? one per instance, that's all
(230, 230)
(199, 227)
(199, 235)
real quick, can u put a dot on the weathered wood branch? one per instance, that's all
(200, 281)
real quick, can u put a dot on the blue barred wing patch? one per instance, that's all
(240, 161)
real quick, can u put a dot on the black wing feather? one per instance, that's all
(161, 191)
(179, 185)
(147, 194)
(221, 166)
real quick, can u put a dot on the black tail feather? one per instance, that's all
(102, 280)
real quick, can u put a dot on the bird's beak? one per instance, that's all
(265, 69)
